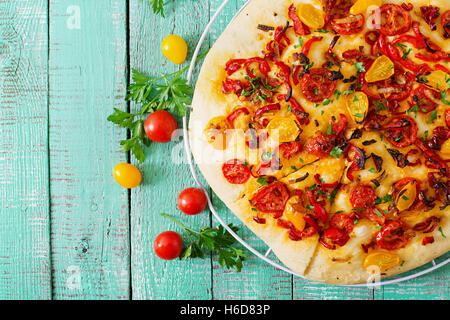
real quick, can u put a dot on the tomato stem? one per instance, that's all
(193, 232)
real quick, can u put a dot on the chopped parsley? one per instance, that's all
(442, 232)
(263, 181)
(347, 92)
(337, 93)
(433, 116)
(330, 130)
(336, 152)
(360, 67)
(326, 101)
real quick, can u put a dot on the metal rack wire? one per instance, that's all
(433, 265)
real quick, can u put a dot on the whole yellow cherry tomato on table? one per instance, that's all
(127, 175)
(174, 48)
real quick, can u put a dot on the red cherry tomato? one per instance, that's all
(348, 25)
(401, 131)
(332, 237)
(342, 221)
(362, 196)
(168, 245)
(160, 126)
(192, 201)
(271, 199)
(288, 149)
(394, 20)
(321, 145)
(373, 214)
(392, 236)
(425, 99)
(398, 85)
(447, 117)
(236, 172)
(316, 85)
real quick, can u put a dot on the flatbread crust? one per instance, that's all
(242, 39)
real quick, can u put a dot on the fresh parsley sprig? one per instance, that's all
(215, 239)
(158, 7)
(167, 92)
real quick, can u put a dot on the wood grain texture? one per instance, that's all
(258, 280)
(56, 122)
(433, 286)
(89, 211)
(24, 199)
(153, 278)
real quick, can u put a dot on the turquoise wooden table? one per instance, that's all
(67, 230)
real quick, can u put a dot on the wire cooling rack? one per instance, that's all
(427, 268)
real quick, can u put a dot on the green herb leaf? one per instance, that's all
(168, 92)
(442, 232)
(336, 152)
(158, 7)
(360, 67)
(218, 240)
(263, 181)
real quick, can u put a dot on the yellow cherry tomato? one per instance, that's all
(381, 69)
(382, 260)
(437, 80)
(127, 175)
(361, 6)
(445, 148)
(293, 214)
(406, 196)
(311, 16)
(174, 48)
(283, 129)
(215, 132)
(358, 106)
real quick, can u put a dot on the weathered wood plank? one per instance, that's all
(257, 280)
(306, 290)
(153, 278)
(433, 286)
(24, 199)
(90, 229)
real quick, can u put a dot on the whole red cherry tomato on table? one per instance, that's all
(160, 126)
(192, 201)
(168, 245)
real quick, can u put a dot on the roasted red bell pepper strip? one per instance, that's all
(232, 85)
(325, 185)
(427, 240)
(353, 167)
(285, 71)
(416, 42)
(442, 68)
(430, 46)
(319, 210)
(233, 115)
(307, 45)
(234, 65)
(433, 57)
(432, 157)
(263, 66)
(311, 229)
(300, 113)
(267, 108)
(299, 28)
